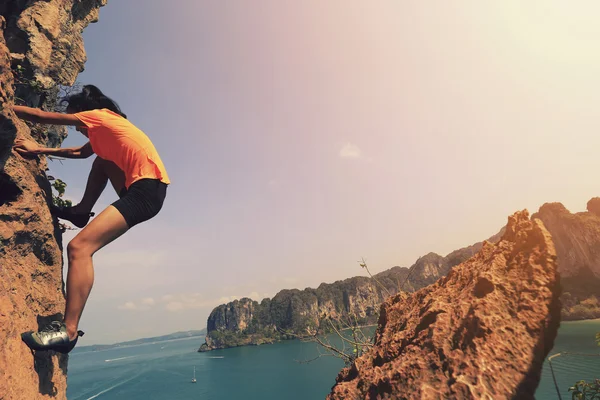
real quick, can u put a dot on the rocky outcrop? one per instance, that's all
(290, 312)
(483, 331)
(577, 240)
(236, 315)
(236, 324)
(40, 48)
(576, 237)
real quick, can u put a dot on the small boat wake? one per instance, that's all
(119, 359)
(113, 387)
(217, 357)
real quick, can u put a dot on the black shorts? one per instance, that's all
(142, 201)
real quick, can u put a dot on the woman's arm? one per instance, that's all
(29, 147)
(45, 117)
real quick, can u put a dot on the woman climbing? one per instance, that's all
(126, 157)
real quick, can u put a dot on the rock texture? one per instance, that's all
(577, 240)
(40, 48)
(576, 236)
(290, 312)
(482, 332)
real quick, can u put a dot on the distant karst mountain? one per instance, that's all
(577, 241)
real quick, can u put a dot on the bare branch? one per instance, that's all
(363, 264)
(352, 344)
(410, 271)
(341, 336)
(332, 349)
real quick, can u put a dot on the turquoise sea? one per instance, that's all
(270, 372)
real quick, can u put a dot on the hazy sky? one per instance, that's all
(302, 136)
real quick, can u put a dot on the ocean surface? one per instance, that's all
(164, 370)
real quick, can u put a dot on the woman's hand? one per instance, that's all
(26, 147)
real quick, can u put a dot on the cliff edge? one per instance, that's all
(483, 331)
(40, 48)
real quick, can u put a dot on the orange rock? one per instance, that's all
(482, 331)
(45, 38)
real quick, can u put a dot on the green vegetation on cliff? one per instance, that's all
(580, 296)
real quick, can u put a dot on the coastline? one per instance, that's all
(249, 340)
(581, 321)
(254, 341)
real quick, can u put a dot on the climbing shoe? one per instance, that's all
(51, 337)
(69, 213)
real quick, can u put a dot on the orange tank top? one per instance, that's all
(114, 138)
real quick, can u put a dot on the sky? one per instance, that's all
(302, 136)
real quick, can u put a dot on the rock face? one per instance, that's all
(290, 312)
(234, 315)
(483, 331)
(577, 240)
(576, 237)
(237, 324)
(40, 48)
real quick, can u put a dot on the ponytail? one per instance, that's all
(91, 98)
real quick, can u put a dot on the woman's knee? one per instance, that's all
(77, 248)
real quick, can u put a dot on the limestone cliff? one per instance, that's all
(483, 331)
(290, 312)
(577, 240)
(40, 48)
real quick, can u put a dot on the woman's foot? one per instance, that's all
(51, 337)
(71, 214)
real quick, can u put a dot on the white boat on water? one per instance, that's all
(194, 378)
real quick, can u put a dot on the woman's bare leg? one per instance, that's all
(102, 171)
(102, 230)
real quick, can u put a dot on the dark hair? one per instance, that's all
(91, 98)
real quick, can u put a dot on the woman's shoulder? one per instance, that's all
(101, 118)
(101, 113)
(110, 112)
